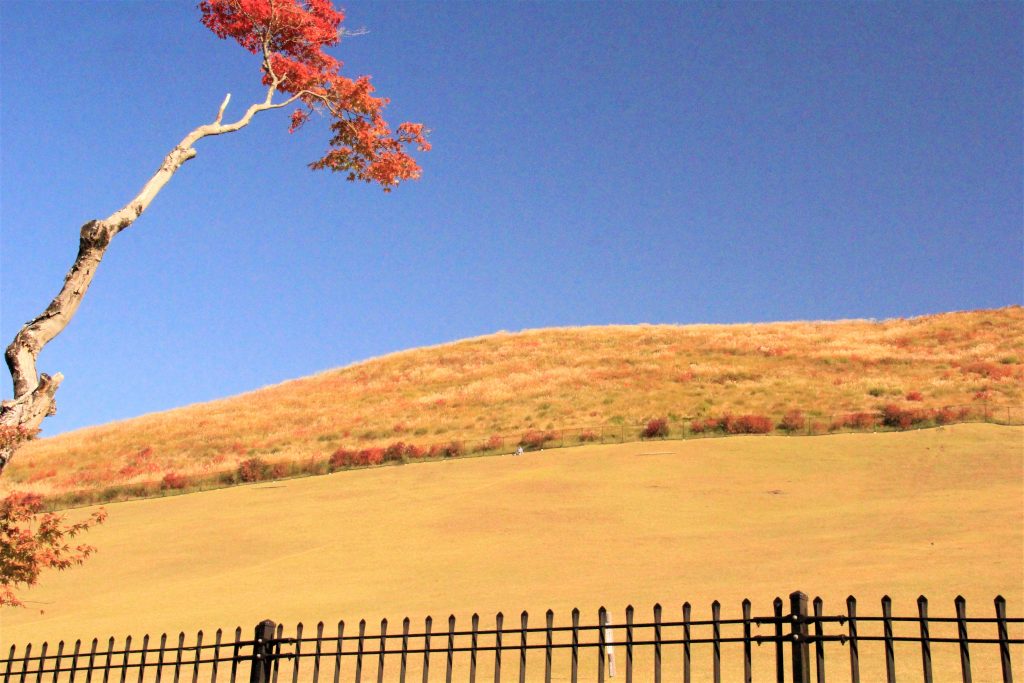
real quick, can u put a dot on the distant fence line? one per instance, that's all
(255, 468)
(799, 642)
(682, 428)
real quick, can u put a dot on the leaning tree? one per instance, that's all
(289, 36)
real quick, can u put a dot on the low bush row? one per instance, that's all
(255, 469)
(733, 424)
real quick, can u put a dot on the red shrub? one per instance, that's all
(914, 396)
(901, 418)
(793, 421)
(342, 457)
(173, 481)
(818, 428)
(279, 470)
(253, 469)
(394, 452)
(855, 421)
(534, 440)
(588, 435)
(864, 420)
(370, 456)
(493, 443)
(948, 415)
(709, 424)
(401, 451)
(748, 424)
(452, 449)
(656, 428)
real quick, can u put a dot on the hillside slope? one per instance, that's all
(594, 377)
(934, 512)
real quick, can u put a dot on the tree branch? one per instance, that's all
(223, 106)
(33, 392)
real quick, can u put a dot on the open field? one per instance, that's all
(600, 378)
(937, 512)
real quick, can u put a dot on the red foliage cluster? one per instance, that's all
(292, 35)
(396, 452)
(656, 428)
(253, 469)
(31, 542)
(173, 481)
(344, 457)
(914, 396)
(535, 439)
(747, 424)
(709, 424)
(994, 371)
(855, 421)
(493, 443)
(945, 416)
(446, 450)
(589, 435)
(793, 421)
(731, 424)
(400, 451)
(904, 418)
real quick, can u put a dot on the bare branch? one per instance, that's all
(223, 106)
(34, 392)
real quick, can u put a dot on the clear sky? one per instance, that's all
(593, 163)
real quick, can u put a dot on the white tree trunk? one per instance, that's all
(34, 392)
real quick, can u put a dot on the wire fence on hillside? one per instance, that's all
(259, 467)
(794, 423)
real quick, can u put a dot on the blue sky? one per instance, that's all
(593, 163)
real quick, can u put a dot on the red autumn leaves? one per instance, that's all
(291, 36)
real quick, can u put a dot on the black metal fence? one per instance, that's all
(798, 644)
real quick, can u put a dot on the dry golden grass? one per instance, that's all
(552, 379)
(937, 512)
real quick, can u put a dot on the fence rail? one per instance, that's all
(679, 647)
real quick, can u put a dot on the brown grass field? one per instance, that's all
(601, 378)
(937, 511)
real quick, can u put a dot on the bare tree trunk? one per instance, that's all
(34, 392)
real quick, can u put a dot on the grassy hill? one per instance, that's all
(562, 385)
(934, 511)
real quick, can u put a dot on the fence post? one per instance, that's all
(1004, 641)
(961, 621)
(799, 634)
(262, 647)
(851, 617)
